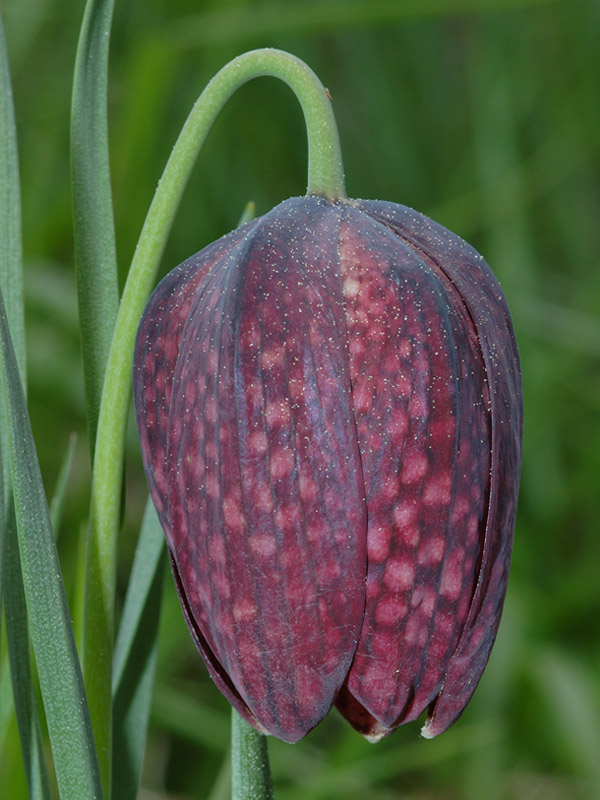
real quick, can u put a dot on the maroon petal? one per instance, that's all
(157, 348)
(485, 304)
(418, 380)
(264, 480)
(156, 351)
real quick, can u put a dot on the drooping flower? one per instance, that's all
(329, 407)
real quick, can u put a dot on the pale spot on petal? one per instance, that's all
(404, 514)
(233, 515)
(263, 546)
(378, 543)
(244, 610)
(432, 551)
(415, 468)
(277, 413)
(258, 442)
(350, 288)
(282, 463)
(272, 357)
(399, 574)
(451, 583)
(389, 610)
(438, 490)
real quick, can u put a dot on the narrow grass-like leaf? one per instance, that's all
(135, 658)
(95, 249)
(247, 22)
(3, 518)
(132, 703)
(58, 498)
(319, 776)
(221, 789)
(568, 693)
(97, 283)
(6, 704)
(178, 712)
(60, 679)
(17, 639)
(11, 275)
(248, 213)
(147, 563)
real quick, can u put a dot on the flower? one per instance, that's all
(329, 407)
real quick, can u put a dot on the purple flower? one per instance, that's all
(329, 407)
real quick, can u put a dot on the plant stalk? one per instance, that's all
(250, 773)
(325, 177)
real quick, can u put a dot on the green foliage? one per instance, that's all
(484, 115)
(50, 628)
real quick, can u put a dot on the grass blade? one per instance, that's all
(568, 693)
(6, 705)
(177, 711)
(59, 673)
(11, 274)
(97, 283)
(20, 668)
(135, 658)
(95, 249)
(58, 498)
(251, 22)
(147, 563)
(3, 517)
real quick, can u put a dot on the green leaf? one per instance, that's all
(3, 517)
(177, 711)
(252, 22)
(20, 668)
(95, 249)
(11, 273)
(97, 284)
(58, 498)
(135, 658)
(60, 679)
(6, 704)
(568, 692)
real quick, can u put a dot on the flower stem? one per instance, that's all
(325, 177)
(250, 774)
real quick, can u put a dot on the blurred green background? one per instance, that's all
(484, 114)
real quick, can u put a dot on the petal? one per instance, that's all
(215, 669)
(485, 303)
(157, 347)
(265, 485)
(156, 350)
(420, 403)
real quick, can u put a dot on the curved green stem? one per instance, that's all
(325, 177)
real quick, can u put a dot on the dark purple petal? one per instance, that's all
(420, 402)
(485, 303)
(156, 351)
(265, 486)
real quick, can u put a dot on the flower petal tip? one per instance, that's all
(427, 731)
